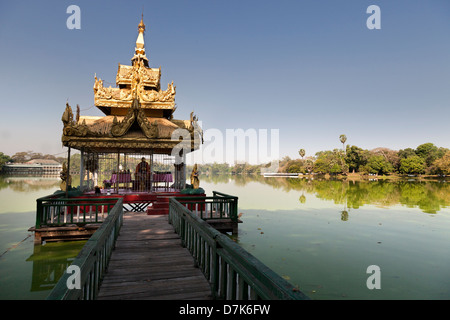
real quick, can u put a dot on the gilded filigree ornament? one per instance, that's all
(139, 78)
(66, 179)
(71, 127)
(135, 113)
(67, 117)
(138, 114)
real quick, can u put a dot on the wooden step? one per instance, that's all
(160, 205)
(157, 211)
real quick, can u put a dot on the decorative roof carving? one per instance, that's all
(130, 122)
(135, 114)
(139, 79)
(149, 76)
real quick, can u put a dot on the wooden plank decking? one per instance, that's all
(150, 263)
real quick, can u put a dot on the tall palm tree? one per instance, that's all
(343, 138)
(301, 152)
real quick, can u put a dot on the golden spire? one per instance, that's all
(140, 46)
(141, 25)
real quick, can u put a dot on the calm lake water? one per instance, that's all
(323, 235)
(28, 271)
(319, 235)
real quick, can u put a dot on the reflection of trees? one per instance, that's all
(429, 196)
(28, 184)
(220, 178)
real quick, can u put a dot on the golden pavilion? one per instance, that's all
(137, 144)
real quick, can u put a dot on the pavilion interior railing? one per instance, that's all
(92, 260)
(53, 211)
(232, 272)
(219, 206)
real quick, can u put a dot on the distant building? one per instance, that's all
(33, 167)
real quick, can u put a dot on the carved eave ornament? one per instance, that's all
(138, 114)
(71, 127)
(115, 134)
(135, 113)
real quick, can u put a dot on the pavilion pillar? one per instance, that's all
(183, 172)
(151, 171)
(116, 188)
(180, 170)
(82, 170)
(68, 180)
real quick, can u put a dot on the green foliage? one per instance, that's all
(412, 165)
(4, 159)
(356, 158)
(442, 165)
(378, 164)
(332, 162)
(428, 152)
(426, 158)
(295, 168)
(302, 152)
(405, 153)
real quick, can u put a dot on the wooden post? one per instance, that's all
(81, 170)
(125, 168)
(69, 182)
(117, 171)
(151, 171)
(183, 173)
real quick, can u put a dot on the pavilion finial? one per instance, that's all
(141, 25)
(140, 45)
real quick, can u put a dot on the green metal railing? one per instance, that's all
(92, 260)
(55, 211)
(232, 271)
(219, 206)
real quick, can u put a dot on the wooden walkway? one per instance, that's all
(150, 263)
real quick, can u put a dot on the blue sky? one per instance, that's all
(311, 69)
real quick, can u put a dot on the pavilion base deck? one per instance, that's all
(150, 203)
(65, 233)
(224, 225)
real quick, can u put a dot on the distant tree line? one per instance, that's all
(424, 159)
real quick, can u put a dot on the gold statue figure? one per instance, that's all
(195, 182)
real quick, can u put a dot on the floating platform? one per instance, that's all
(64, 233)
(81, 228)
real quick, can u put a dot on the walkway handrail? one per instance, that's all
(219, 206)
(232, 271)
(59, 211)
(92, 260)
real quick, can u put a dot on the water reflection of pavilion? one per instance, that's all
(50, 262)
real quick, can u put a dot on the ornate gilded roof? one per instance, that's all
(127, 133)
(150, 76)
(138, 114)
(137, 81)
